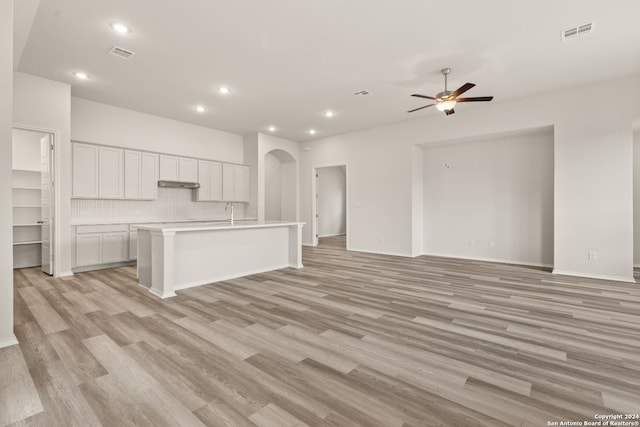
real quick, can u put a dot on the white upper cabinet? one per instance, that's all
(242, 178)
(149, 185)
(187, 170)
(168, 168)
(210, 179)
(235, 183)
(204, 178)
(174, 168)
(105, 172)
(228, 178)
(132, 174)
(216, 181)
(85, 170)
(140, 175)
(110, 170)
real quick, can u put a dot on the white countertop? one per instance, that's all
(155, 221)
(212, 225)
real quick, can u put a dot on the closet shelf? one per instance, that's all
(27, 206)
(27, 225)
(27, 188)
(33, 242)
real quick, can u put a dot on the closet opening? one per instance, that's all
(33, 199)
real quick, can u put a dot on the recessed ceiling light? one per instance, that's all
(328, 114)
(272, 128)
(120, 28)
(80, 75)
(200, 108)
(312, 131)
(224, 90)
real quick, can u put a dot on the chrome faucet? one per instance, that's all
(227, 207)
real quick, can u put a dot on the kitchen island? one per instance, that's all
(179, 256)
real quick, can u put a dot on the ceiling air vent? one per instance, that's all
(362, 92)
(120, 52)
(580, 30)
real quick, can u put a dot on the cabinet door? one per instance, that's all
(88, 249)
(188, 170)
(204, 178)
(215, 181)
(149, 176)
(241, 183)
(85, 170)
(228, 172)
(111, 173)
(168, 168)
(133, 245)
(114, 246)
(132, 174)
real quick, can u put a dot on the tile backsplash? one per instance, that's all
(172, 203)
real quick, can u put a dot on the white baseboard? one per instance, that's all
(497, 261)
(86, 268)
(64, 274)
(332, 235)
(594, 276)
(8, 342)
(380, 252)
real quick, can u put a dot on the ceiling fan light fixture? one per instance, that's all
(446, 105)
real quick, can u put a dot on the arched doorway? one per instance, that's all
(280, 197)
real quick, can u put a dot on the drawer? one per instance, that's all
(107, 228)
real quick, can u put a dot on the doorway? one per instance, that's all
(281, 196)
(33, 199)
(330, 207)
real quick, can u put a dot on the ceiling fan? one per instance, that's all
(446, 100)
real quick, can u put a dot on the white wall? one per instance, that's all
(26, 149)
(491, 198)
(591, 141)
(45, 104)
(6, 232)
(110, 125)
(332, 198)
(636, 198)
(273, 187)
(106, 124)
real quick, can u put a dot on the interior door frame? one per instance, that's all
(55, 161)
(314, 201)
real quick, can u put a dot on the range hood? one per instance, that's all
(179, 184)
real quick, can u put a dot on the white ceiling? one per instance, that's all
(287, 61)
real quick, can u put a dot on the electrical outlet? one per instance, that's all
(593, 256)
(381, 239)
(491, 244)
(472, 242)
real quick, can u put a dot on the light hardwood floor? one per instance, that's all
(351, 339)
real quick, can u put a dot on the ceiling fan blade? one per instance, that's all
(462, 89)
(424, 96)
(416, 109)
(476, 99)
(449, 112)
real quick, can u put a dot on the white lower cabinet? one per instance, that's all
(88, 249)
(101, 244)
(133, 245)
(114, 247)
